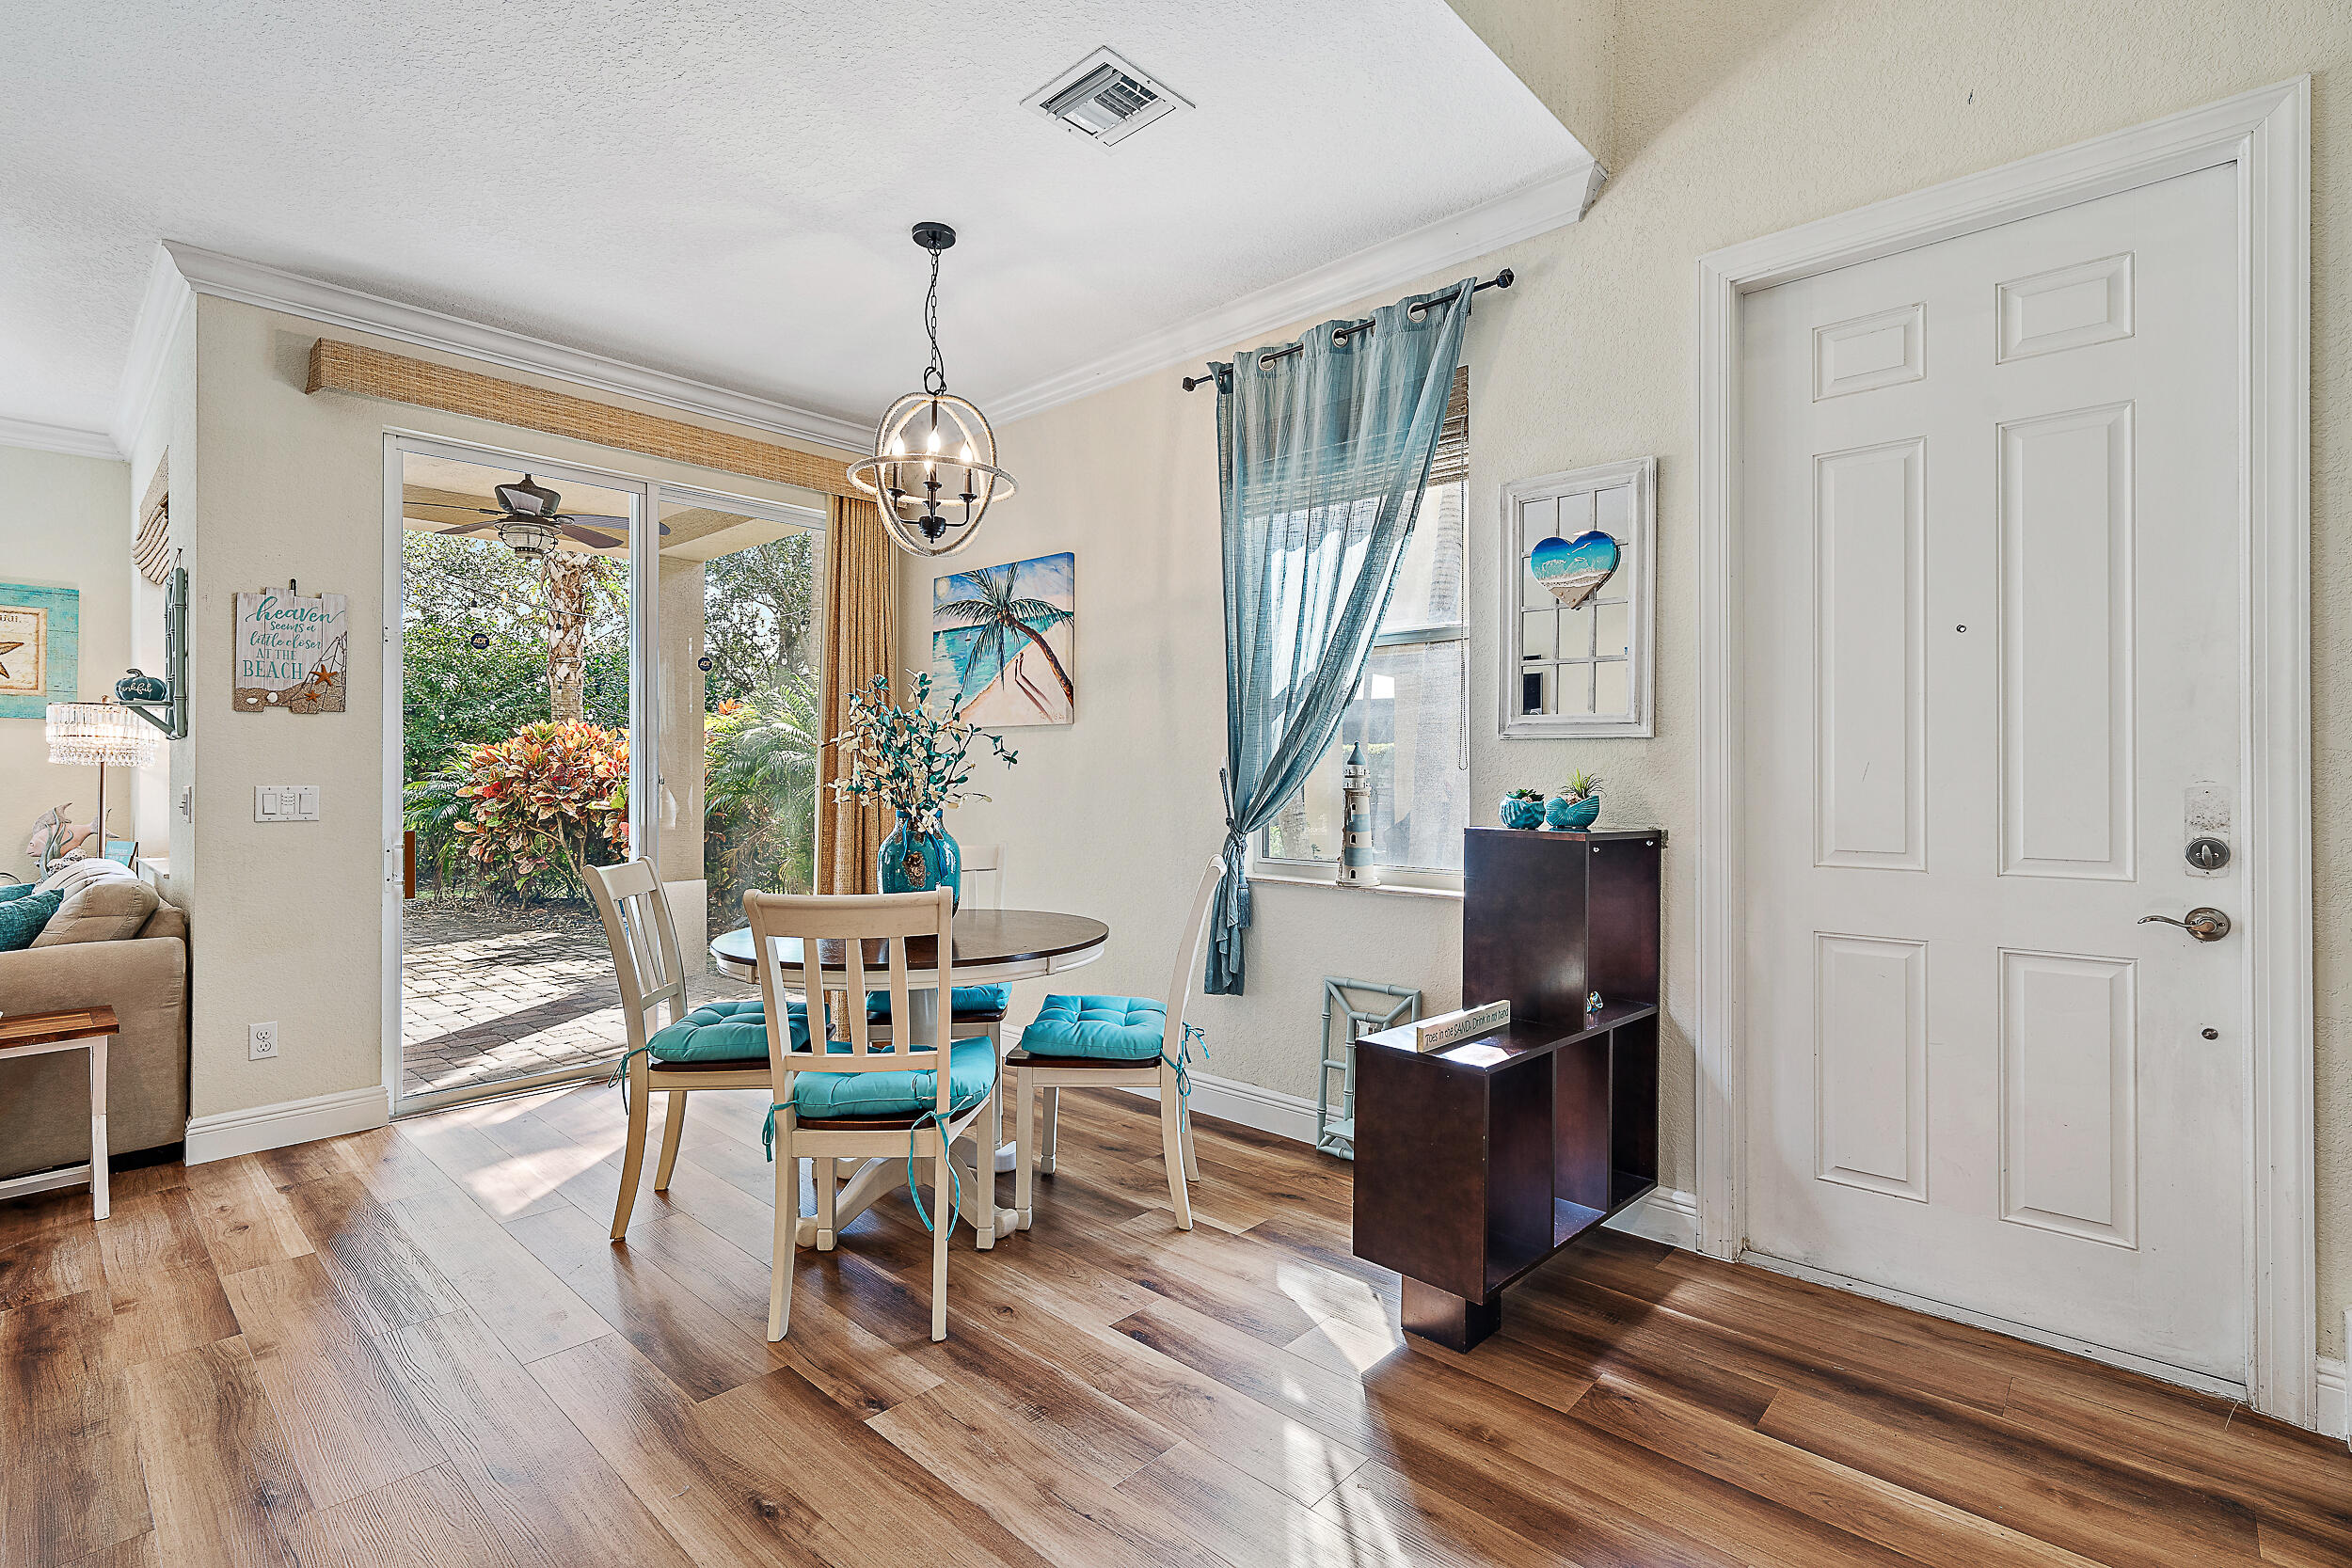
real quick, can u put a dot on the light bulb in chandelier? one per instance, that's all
(924, 510)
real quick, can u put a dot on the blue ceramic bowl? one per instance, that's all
(1519, 812)
(1571, 817)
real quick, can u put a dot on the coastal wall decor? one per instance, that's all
(1003, 640)
(1579, 567)
(41, 648)
(292, 652)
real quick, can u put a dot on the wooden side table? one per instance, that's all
(82, 1029)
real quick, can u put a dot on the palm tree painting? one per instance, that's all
(1002, 639)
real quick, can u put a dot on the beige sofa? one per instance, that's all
(44, 1101)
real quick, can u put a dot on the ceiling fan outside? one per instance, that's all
(529, 521)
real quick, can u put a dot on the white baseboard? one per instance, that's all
(294, 1121)
(1663, 1215)
(1285, 1115)
(2334, 1419)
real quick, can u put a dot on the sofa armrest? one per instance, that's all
(44, 1101)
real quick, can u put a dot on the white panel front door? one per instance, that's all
(1991, 585)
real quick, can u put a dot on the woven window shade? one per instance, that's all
(151, 550)
(1452, 461)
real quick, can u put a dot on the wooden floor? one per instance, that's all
(415, 1347)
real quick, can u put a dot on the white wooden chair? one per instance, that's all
(973, 1020)
(643, 939)
(855, 1097)
(1151, 1058)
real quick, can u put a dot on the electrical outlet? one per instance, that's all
(261, 1041)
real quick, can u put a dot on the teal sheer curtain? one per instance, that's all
(1323, 448)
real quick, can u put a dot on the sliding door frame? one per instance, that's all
(643, 715)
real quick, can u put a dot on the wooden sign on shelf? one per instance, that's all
(293, 653)
(1469, 1024)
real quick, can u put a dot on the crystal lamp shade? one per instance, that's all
(88, 732)
(934, 472)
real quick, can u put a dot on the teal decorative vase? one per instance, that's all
(1520, 812)
(916, 858)
(1565, 815)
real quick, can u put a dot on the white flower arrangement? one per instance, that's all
(910, 758)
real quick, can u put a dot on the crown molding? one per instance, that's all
(57, 438)
(1534, 208)
(208, 272)
(163, 307)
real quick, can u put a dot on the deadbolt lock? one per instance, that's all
(2206, 853)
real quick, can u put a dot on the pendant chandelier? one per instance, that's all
(933, 471)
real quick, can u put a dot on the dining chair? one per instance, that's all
(978, 1010)
(1118, 1041)
(860, 1098)
(719, 1045)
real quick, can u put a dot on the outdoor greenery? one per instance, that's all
(759, 779)
(511, 794)
(545, 804)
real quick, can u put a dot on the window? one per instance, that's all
(1581, 672)
(1408, 713)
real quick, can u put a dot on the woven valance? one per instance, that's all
(371, 373)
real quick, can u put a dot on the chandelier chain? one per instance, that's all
(937, 371)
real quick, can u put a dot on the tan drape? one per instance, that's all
(860, 640)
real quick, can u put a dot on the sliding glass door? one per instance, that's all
(518, 714)
(567, 687)
(737, 655)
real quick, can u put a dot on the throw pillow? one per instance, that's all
(14, 890)
(21, 919)
(105, 909)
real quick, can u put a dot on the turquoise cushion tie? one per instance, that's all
(1107, 1028)
(22, 919)
(967, 999)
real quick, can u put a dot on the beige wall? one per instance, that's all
(292, 486)
(62, 525)
(1727, 123)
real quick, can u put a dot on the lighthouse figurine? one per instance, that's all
(1356, 868)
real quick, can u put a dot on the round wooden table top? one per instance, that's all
(990, 945)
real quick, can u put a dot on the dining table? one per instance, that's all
(992, 947)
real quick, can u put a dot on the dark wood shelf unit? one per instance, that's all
(1475, 1163)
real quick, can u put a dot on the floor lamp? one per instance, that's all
(102, 733)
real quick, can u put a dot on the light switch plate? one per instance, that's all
(285, 802)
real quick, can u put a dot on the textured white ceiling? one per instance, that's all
(723, 191)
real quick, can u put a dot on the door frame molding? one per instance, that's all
(2266, 135)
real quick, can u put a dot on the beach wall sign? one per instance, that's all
(292, 652)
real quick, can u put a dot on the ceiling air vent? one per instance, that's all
(1104, 99)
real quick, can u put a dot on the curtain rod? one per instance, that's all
(1503, 279)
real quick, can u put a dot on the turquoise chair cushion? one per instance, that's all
(971, 1070)
(1110, 1028)
(732, 1031)
(968, 999)
(15, 890)
(22, 919)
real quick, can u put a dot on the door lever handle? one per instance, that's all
(2204, 923)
